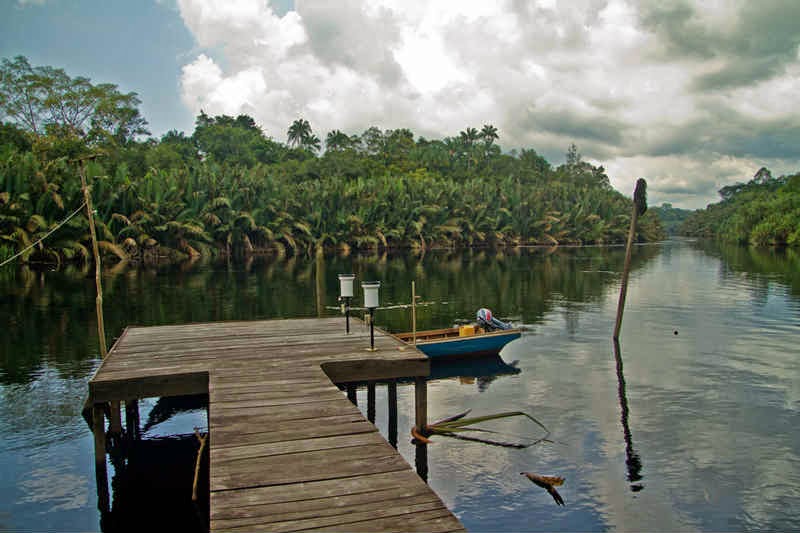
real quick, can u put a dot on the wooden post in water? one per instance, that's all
(420, 403)
(371, 401)
(100, 470)
(87, 197)
(639, 208)
(421, 421)
(392, 394)
(132, 418)
(351, 393)
(115, 419)
(413, 313)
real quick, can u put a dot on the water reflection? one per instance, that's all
(632, 460)
(468, 371)
(704, 410)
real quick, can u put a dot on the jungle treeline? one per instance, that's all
(228, 189)
(764, 211)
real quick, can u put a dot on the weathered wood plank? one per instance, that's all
(240, 434)
(221, 456)
(310, 508)
(308, 466)
(306, 518)
(316, 490)
(267, 416)
(358, 521)
(144, 386)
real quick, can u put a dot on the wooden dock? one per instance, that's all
(288, 451)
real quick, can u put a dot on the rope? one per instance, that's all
(4, 263)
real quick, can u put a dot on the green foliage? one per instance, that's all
(764, 212)
(227, 189)
(671, 217)
(46, 100)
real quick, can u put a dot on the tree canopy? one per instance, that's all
(763, 211)
(229, 189)
(47, 100)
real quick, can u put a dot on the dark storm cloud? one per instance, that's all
(723, 130)
(761, 41)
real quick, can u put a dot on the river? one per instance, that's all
(692, 425)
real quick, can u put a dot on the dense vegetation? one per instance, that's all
(229, 189)
(763, 211)
(671, 218)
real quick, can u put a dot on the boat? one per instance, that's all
(487, 337)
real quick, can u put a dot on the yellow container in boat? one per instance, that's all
(466, 331)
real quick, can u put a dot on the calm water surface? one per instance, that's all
(694, 426)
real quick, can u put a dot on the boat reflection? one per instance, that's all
(480, 370)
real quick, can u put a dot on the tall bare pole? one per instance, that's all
(101, 330)
(639, 208)
(413, 313)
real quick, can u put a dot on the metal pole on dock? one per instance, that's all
(639, 208)
(371, 329)
(347, 316)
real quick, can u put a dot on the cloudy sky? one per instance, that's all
(690, 94)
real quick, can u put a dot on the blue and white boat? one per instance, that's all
(487, 337)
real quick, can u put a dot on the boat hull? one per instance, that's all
(473, 345)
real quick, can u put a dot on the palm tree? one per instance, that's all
(298, 132)
(336, 140)
(489, 134)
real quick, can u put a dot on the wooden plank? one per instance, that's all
(357, 521)
(376, 370)
(222, 455)
(316, 490)
(308, 466)
(438, 521)
(285, 403)
(306, 518)
(277, 512)
(287, 430)
(256, 416)
(178, 384)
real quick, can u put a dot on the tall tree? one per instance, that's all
(298, 133)
(42, 98)
(489, 134)
(336, 140)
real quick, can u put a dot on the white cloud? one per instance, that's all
(608, 75)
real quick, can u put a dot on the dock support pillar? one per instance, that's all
(132, 418)
(420, 403)
(371, 401)
(421, 421)
(114, 418)
(351, 393)
(101, 473)
(392, 394)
